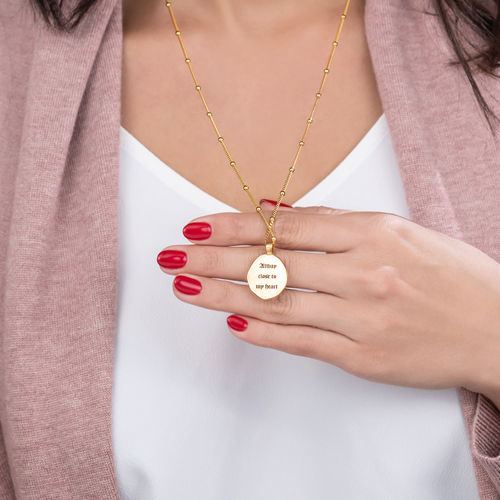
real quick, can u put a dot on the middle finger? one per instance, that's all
(329, 273)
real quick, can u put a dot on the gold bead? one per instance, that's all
(258, 209)
(301, 143)
(220, 139)
(209, 113)
(292, 169)
(343, 16)
(168, 4)
(326, 70)
(309, 120)
(318, 94)
(271, 220)
(232, 163)
(335, 43)
(245, 187)
(177, 32)
(198, 87)
(188, 60)
(282, 193)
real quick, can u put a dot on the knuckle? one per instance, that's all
(222, 296)
(209, 257)
(322, 209)
(290, 228)
(381, 282)
(389, 225)
(388, 222)
(237, 224)
(380, 226)
(279, 308)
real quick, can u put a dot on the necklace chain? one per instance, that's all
(269, 223)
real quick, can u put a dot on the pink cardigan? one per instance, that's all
(59, 144)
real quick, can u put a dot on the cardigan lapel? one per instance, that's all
(448, 172)
(445, 151)
(397, 69)
(59, 345)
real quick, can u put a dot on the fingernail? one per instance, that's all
(237, 323)
(197, 230)
(264, 200)
(172, 259)
(187, 285)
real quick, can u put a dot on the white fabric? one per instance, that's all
(200, 414)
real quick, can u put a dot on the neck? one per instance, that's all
(255, 17)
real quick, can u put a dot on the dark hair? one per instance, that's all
(482, 16)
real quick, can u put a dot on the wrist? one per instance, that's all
(495, 402)
(493, 395)
(487, 379)
(491, 392)
(484, 368)
(484, 352)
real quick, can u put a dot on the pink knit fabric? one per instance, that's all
(59, 162)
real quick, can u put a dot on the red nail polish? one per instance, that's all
(274, 203)
(237, 323)
(172, 259)
(187, 285)
(197, 231)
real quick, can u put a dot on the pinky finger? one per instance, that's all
(331, 347)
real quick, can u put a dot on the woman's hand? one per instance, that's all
(392, 301)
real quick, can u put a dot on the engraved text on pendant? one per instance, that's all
(267, 276)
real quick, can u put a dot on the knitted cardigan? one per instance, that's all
(59, 163)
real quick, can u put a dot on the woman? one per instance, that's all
(397, 233)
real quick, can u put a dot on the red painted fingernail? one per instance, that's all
(237, 323)
(197, 231)
(172, 259)
(274, 203)
(187, 285)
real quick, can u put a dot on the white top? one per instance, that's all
(199, 414)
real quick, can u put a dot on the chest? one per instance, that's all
(261, 94)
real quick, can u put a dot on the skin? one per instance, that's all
(251, 71)
(392, 301)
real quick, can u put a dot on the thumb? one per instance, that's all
(268, 205)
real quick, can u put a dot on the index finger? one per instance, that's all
(336, 232)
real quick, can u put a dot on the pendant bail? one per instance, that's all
(270, 246)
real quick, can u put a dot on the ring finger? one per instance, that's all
(327, 273)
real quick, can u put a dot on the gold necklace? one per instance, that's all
(267, 276)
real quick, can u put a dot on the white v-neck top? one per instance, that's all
(199, 414)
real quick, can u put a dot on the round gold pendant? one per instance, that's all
(267, 276)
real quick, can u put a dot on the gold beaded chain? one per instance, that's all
(232, 163)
